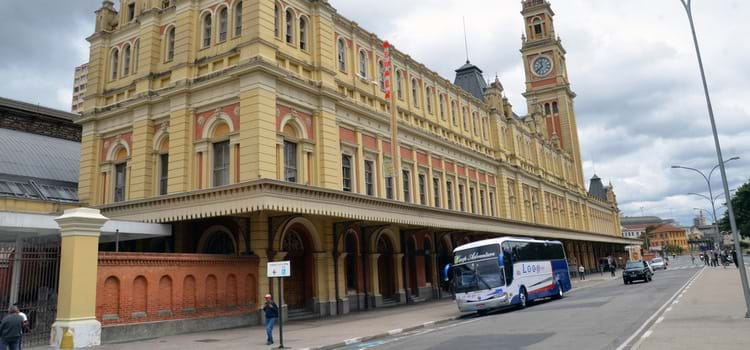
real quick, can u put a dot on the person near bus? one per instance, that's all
(582, 273)
(11, 328)
(272, 313)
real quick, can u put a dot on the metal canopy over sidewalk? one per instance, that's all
(24, 225)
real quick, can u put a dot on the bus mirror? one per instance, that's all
(446, 271)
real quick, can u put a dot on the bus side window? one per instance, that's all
(507, 263)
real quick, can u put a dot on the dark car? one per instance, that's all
(637, 270)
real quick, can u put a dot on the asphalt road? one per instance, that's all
(599, 316)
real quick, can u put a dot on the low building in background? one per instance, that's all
(667, 235)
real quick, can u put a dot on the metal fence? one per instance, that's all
(29, 272)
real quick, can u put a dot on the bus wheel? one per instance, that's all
(523, 297)
(560, 294)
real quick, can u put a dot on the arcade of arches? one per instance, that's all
(339, 267)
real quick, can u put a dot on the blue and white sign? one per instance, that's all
(279, 269)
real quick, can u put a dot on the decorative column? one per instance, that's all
(376, 297)
(399, 270)
(76, 297)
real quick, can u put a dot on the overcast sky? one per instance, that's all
(640, 104)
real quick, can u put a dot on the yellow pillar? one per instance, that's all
(76, 297)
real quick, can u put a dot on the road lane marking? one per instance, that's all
(659, 311)
(659, 320)
(395, 331)
(648, 333)
(352, 341)
(668, 309)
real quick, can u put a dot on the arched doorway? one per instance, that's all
(385, 268)
(428, 270)
(298, 287)
(444, 258)
(411, 254)
(219, 242)
(351, 262)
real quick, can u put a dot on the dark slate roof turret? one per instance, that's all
(469, 77)
(596, 188)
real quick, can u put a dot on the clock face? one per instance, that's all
(542, 66)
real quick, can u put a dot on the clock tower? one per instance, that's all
(547, 87)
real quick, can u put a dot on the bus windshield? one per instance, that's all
(479, 275)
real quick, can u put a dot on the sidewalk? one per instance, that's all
(709, 315)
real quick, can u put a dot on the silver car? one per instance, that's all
(658, 264)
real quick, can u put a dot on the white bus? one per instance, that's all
(501, 272)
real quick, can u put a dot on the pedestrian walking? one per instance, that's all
(612, 269)
(11, 328)
(692, 259)
(272, 313)
(582, 273)
(716, 259)
(25, 328)
(734, 258)
(705, 258)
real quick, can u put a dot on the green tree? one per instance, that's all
(646, 237)
(741, 205)
(673, 249)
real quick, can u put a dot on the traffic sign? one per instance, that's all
(279, 269)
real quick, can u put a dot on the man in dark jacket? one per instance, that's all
(272, 313)
(10, 330)
(734, 258)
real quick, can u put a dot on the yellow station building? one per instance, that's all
(261, 128)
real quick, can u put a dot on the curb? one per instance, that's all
(392, 332)
(359, 340)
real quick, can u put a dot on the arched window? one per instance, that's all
(362, 64)
(414, 96)
(399, 86)
(453, 113)
(554, 108)
(126, 60)
(484, 127)
(219, 242)
(276, 20)
(114, 62)
(207, 30)
(136, 50)
(289, 26)
(342, 54)
(538, 27)
(303, 33)
(441, 101)
(238, 19)
(381, 75)
(475, 123)
(170, 44)
(428, 99)
(465, 118)
(223, 24)
(547, 109)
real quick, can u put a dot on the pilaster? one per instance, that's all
(257, 126)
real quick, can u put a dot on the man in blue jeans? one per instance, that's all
(11, 328)
(272, 313)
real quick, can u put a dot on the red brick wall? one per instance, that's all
(143, 287)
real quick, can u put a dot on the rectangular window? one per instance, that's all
(449, 194)
(120, 182)
(481, 202)
(163, 173)
(131, 11)
(369, 185)
(346, 172)
(221, 163)
(461, 197)
(472, 197)
(436, 191)
(389, 187)
(407, 185)
(290, 161)
(492, 203)
(422, 190)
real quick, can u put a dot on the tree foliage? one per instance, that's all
(741, 205)
(673, 249)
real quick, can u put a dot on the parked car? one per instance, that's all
(637, 270)
(658, 264)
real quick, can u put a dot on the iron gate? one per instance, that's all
(29, 279)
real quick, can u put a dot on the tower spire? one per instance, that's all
(466, 42)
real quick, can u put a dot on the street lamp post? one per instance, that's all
(741, 264)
